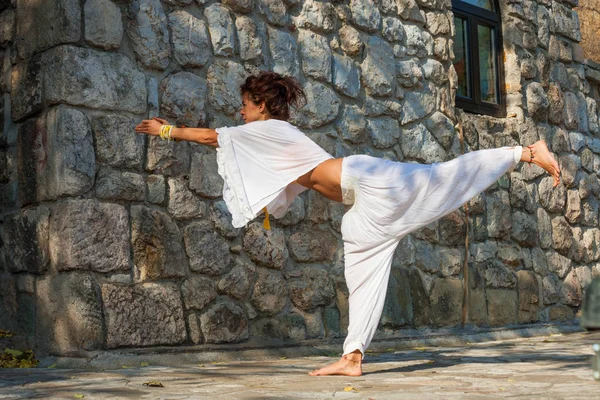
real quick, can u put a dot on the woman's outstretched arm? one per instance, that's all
(199, 135)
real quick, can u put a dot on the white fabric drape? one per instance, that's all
(259, 162)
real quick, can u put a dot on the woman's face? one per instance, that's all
(251, 111)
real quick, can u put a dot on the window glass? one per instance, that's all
(486, 4)
(487, 63)
(461, 57)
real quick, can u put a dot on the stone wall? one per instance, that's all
(110, 240)
(589, 15)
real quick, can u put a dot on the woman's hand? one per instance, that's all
(151, 126)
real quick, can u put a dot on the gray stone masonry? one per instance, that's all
(110, 239)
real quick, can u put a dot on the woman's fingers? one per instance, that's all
(162, 121)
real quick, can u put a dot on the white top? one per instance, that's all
(258, 163)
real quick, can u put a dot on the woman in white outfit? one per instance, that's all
(267, 162)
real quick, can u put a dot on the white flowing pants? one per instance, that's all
(391, 200)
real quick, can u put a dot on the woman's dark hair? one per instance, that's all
(278, 93)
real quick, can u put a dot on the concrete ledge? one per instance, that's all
(401, 340)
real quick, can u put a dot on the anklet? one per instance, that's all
(531, 156)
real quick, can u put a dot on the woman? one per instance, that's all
(267, 162)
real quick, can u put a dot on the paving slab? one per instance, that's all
(555, 366)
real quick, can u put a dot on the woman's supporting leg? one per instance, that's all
(367, 271)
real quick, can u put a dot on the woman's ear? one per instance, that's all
(262, 107)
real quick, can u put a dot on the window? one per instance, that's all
(477, 51)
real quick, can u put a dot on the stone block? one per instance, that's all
(558, 264)
(315, 288)
(510, 255)
(103, 24)
(197, 292)
(384, 132)
(351, 40)
(224, 79)
(148, 314)
(42, 25)
(409, 10)
(398, 308)
(322, 106)
(184, 204)
(590, 208)
(544, 228)
(112, 184)
(562, 236)
(426, 257)
(310, 245)
(417, 104)
(56, 156)
(561, 313)
(572, 291)
(250, 38)
(243, 6)
(148, 30)
(221, 28)
(409, 73)
(502, 307)
(191, 44)
(498, 207)
(168, 158)
(365, 15)
(529, 292)
(69, 314)
(537, 101)
(204, 177)
(117, 144)
(452, 229)
(446, 302)
(270, 292)
(194, 330)
(266, 247)
(89, 235)
(418, 41)
(208, 252)
(237, 282)
(221, 218)
(352, 126)
(569, 165)
(378, 68)
(26, 240)
(107, 81)
(565, 21)
(552, 289)
(156, 189)
(524, 229)
(442, 129)
(283, 52)
(552, 199)
(157, 245)
(224, 322)
(275, 11)
(317, 15)
(497, 275)
(316, 55)
(573, 211)
(182, 98)
(331, 322)
(419, 144)
(7, 27)
(419, 294)
(392, 29)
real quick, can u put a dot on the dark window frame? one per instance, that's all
(480, 16)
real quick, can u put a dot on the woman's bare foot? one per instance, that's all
(348, 365)
(542, 158)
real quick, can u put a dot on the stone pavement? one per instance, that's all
(556, 366)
